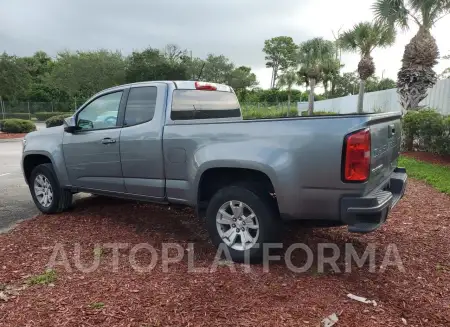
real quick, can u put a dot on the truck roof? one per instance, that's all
(182, 85)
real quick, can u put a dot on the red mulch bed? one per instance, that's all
(428, 157)
(4, 136)
(419, 226)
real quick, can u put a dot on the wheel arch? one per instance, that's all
(32, 160)
(57, 162)
(214, 178)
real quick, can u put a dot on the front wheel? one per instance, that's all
(46, 192)
(243, 219)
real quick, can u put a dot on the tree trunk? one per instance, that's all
(275, 75)
(333, 86)
(416, 75)
(271, 78)
(361, 96)
(289, 102)
(409, 142)
(312, 85)
(325, 86)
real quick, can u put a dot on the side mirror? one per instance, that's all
(70, 125)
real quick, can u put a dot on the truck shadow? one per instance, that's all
(181, 225)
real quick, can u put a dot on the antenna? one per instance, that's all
(201, 71)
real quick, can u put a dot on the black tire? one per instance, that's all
(62, 199)
(264, 208)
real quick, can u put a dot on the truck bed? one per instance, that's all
(302, 156)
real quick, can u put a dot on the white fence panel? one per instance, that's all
(387, 100)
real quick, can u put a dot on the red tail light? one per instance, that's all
(205, 86)
(356, 152)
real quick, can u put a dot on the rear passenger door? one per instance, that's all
(141, 141)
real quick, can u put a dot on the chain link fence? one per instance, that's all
(34, 110)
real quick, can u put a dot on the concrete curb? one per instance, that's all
(14, 225)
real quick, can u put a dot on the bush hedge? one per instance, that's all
(18, 126)
(43, 116)
(56, 120)
(426, 130)
(1, 125)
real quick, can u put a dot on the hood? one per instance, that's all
(56, 130)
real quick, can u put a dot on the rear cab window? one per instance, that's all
(204, 104)
(140, 105)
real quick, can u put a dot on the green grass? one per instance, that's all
(97, 305)
(98, 251)
(265, 111)
(44, 279)
(261, 111)
(436, 175)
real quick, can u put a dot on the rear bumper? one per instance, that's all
(366, 214)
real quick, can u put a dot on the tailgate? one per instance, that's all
(385, 133)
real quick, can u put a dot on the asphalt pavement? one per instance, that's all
(15, 199)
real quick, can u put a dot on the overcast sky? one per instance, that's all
(235, 28)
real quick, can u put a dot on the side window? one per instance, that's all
(100, 113)
(197, 104)
(140, 105)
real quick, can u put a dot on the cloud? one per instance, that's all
(235, 28)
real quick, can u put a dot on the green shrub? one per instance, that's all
(1, 125)
(442, 142)
(411, 128)
(56, 120)
(18, 115)
(426, 130)
(18, 126)
(43, 116)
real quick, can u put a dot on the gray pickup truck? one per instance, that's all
(186, 143)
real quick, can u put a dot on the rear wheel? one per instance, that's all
(243, 219)
(46, 191)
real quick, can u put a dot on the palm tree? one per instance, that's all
(314, 57)
(364, 38)
(416, 74)
(288, 79)
(331, 70)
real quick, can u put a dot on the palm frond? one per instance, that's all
(289, 78)
(366, 36)
(424, 13)
(437, 10)
(347, 41)
(391, 12)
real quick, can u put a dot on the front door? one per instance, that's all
(92, 153)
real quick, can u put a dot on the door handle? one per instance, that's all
(391, 131)
(108, 140)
